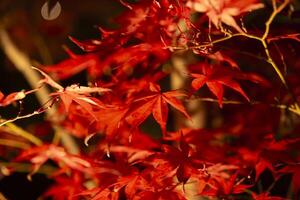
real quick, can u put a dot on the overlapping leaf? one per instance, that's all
(216, 76)
(224, 11)
(155, 103)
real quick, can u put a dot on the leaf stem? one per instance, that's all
(23, 64)
(4, 122)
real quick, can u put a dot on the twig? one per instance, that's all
(231, 102)
(23, 64)
(5, 122)
(276, 11)
(263, 40)
(293, 36)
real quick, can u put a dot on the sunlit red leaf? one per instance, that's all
(155, 103)
(224, 11)
(77, 94)
(216, 76)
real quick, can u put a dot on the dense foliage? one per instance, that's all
(185, 99)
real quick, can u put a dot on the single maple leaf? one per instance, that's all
(215, 77)
(155, 103)
(75, 93)
(224, 11)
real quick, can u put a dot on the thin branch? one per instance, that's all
(263, 40)
(291, 108)
(276, 11)
(23, 64)
(4, 122)
(293, 36)
(281, 58)
(244, 53)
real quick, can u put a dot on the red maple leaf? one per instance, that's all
(215, 76)
(224, 11)
(75, 93)
(155, 103)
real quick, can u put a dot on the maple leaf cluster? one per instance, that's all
(252, 125)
